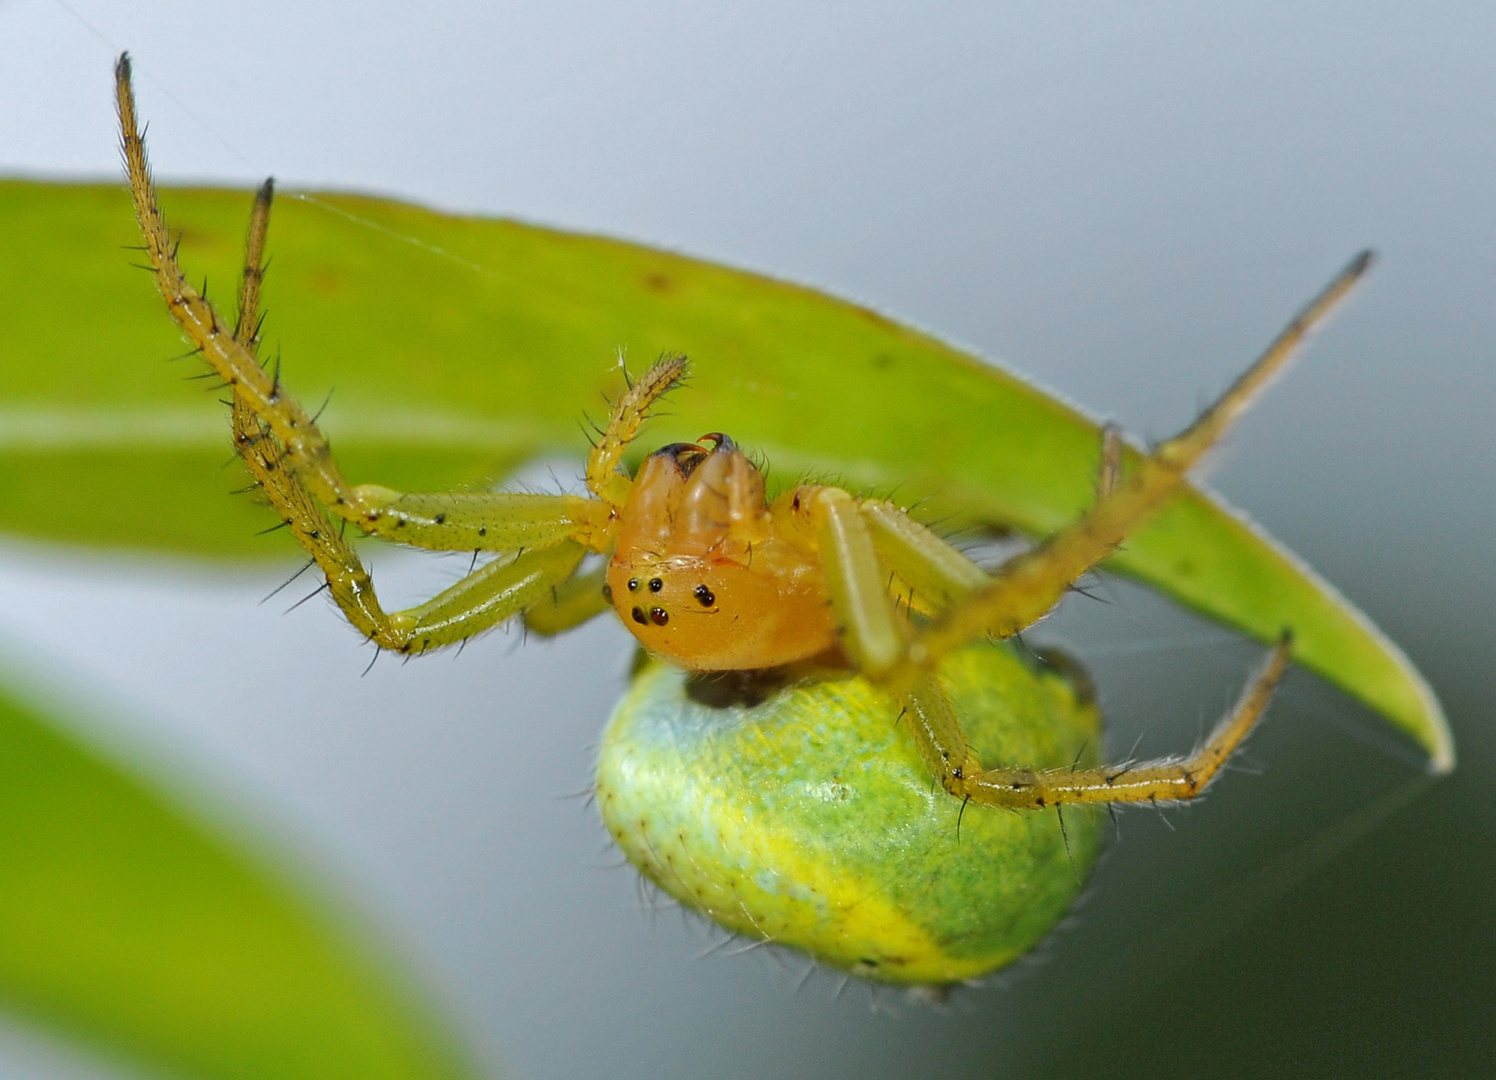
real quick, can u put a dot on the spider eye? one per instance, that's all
(633, 584)
(607, 592)
(655, 584)
(704, 596)
(659, 616)
(638, 614)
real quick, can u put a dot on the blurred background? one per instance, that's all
(1124, 201)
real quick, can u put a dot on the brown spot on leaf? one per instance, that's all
(658, 281)
(328, 280)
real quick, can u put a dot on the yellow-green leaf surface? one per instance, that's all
(458, 346)
(125, 923)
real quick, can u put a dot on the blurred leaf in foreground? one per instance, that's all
(128, 925)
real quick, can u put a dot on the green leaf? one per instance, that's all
(459, 346)
(128, 924)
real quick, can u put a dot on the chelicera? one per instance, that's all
(700, 566)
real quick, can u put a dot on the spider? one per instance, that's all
(705, 571)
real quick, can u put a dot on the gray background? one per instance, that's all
(1124, 201)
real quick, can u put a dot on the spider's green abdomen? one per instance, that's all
(811, 820)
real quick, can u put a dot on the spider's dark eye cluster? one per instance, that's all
(659, 616)
(704, 596)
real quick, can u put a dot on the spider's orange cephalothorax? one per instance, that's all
(702, 575)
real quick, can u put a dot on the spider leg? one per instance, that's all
(1169, 779)
(1031, 583)
(872, 633)
(509, 585)
(867, 621)
(477, 520)
(862, 543)
(347, 580)
(571, 603)
(305, 449)
(942, 745)
(290, 461)
(462, 521)
(936, 575)
(604, 479)
(501, 521)
(247, 327)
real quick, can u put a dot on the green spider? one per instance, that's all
(814, 661)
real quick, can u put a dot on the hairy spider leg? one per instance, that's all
(862, 543)
(578, 599)
(458, 521)
(546, 536)
(1156, 781)
(871, 540)
(584, 596)
(605, 478)
(1028, 585)
(347, 581)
